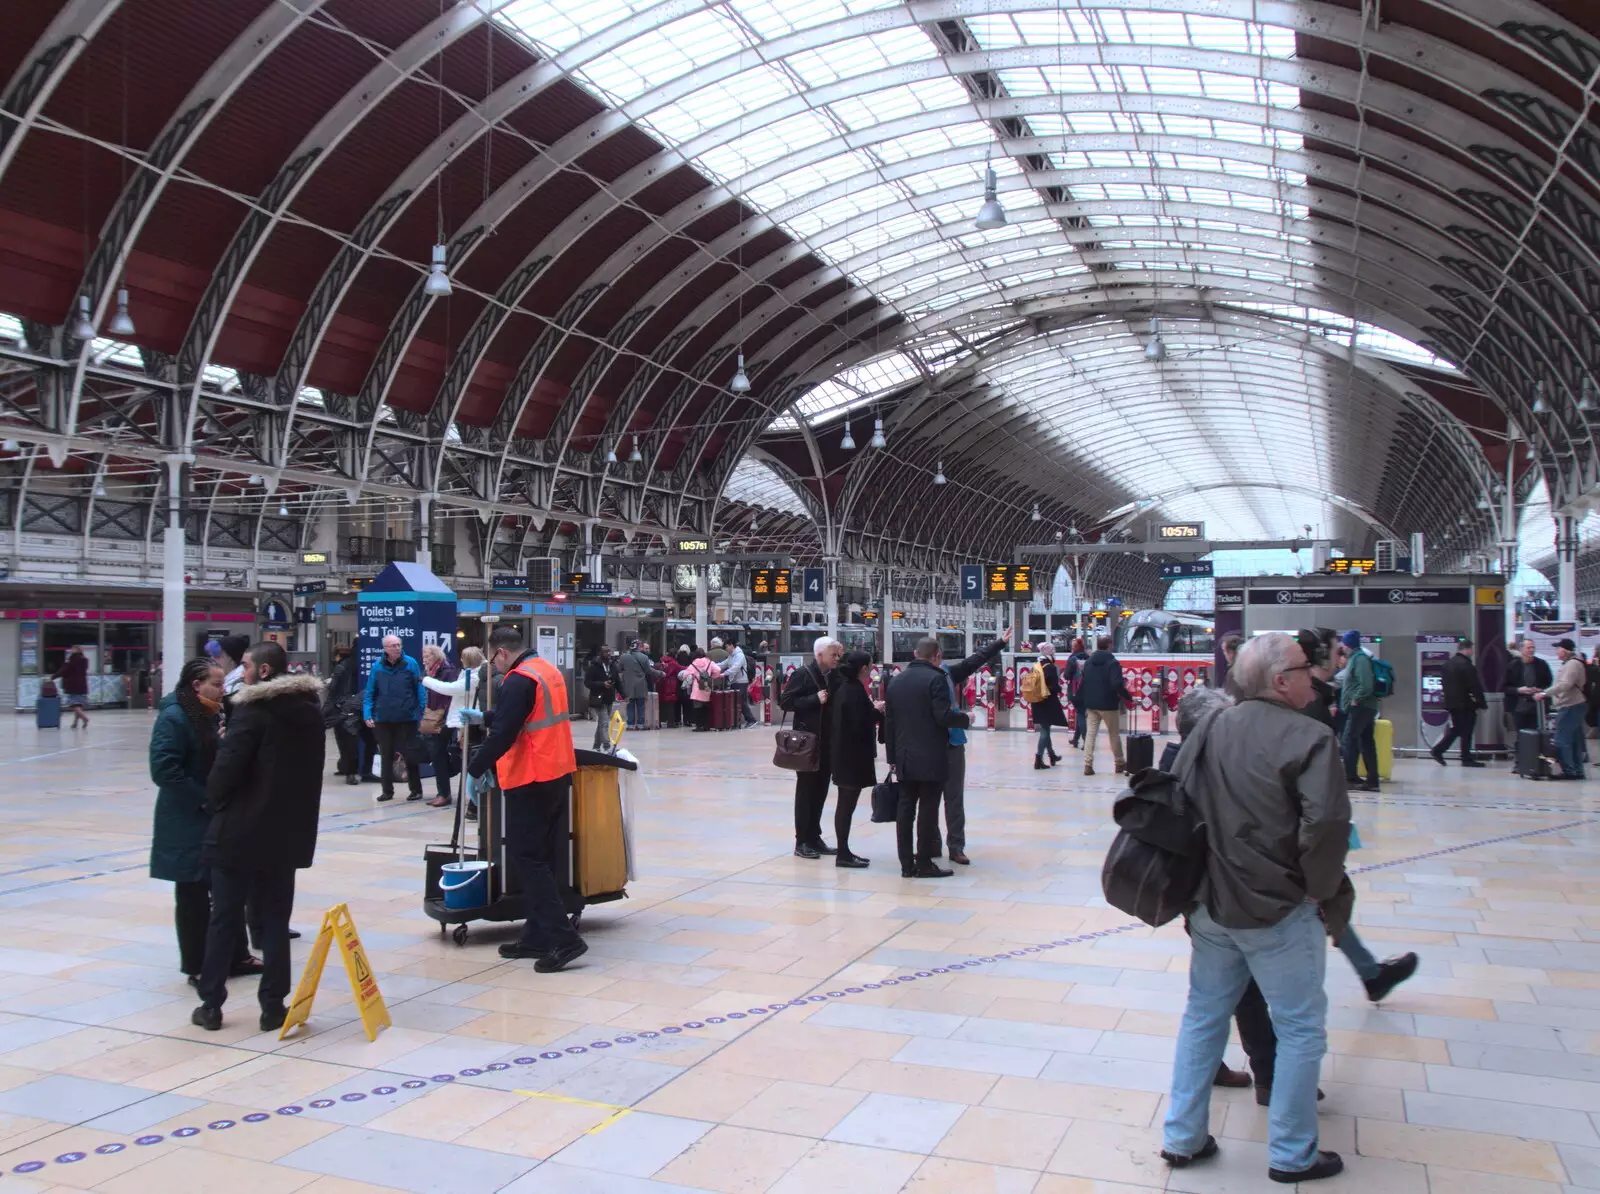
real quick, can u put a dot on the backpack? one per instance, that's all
(1382, 678)
(1158, 858)
(1034, 689)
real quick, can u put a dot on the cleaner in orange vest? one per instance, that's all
(530, 748)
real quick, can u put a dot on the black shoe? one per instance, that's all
(1474, 763)
(294, 934)
(413, 796)
(351, 780)
(1438, 757)
(1054, 758)
(1390, 975)
(272, 1018)
(245, 967)
(472, 812)
(1179, 1161)
(561, 957)
(908, 872)
(207, 1017)
(1370, 785)
(1039, 765)
(517, 949)
(1326, 1165)
(193, 980)
(1264, 1095)
(848, 859)
(806, 850)
(822, 847)
(930, 870)
(383, 797)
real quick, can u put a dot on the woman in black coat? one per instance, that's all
(1048, 712)
(854, 747)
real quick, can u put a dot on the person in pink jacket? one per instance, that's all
(701, 671)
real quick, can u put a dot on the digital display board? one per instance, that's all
(1181, 530)
(693, 546)
(1343, 564)
(770, 585)
(1009, 582)
(313, 557)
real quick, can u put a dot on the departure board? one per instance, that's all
(1009, 582)
(769, 585)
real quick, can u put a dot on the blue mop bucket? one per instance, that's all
(465, 884)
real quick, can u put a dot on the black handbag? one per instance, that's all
(886, 801)
(796, 750)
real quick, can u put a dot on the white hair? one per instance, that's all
(822, 644)
(1260, 660)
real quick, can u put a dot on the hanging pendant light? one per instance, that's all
(740, 383)
(992, 214)
(1539, 406)
(938, 477)
(438, 283)
(611, 454)
(83, 326)
(121, 321)
(877, 440)
(99, 489)
(11, 445)
(283, 509)
(1036, 515)
(636, 456)
(1156, 350)
(848, 443)
(1483, 502)
(1586, 394)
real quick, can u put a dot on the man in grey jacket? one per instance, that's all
(1569, 696)
(737, 669)
(635, 675)
(1269, 784)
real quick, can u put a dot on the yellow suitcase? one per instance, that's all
(1383, 735)
(598, 853)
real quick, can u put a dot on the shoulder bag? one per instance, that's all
(796, 750)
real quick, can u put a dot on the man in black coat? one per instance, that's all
(1103, 693)
(918, 717)
(1463, 697)
(1526, 675)
(264, 795)
(806, 696)
(955, 783)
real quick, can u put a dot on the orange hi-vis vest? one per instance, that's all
(543, 750)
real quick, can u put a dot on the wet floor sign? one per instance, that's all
(337, 926)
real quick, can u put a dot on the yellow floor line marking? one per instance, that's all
(617, 1110)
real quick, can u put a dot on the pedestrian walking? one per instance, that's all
(1047, 711)
(1463, 697)
(1104, 693)
(530, 748)
(600, 678)
(183, 748)
(74, 677)
(1358, 697)
(264, 794)
(344, 711)
(393, 707)
(1071, 682)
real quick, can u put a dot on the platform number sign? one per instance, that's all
(812, 581)
(972, 582)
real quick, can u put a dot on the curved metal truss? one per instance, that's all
(1295, 190)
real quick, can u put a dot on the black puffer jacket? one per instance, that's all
(854, 734)
(1102, 686)
(265, 789)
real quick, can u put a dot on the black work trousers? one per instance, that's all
(844, 811)
(1255, 1033)
(399, 737)
(438, 746)
(349, 745)
(537, 820)
(810, 797)
(271, 894)
(192, 917)
(919, 803)
(1463, 724)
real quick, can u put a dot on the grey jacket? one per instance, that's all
(633, 672)
(1269, 784)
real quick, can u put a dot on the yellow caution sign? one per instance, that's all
(337, 925)
(614, 731)
(1488, 596)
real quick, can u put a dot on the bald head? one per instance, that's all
(392, 648)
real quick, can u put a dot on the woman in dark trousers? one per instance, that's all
(1069, 681)
(183, 745)
(667, 689)
(436, 665)
(1048, 712)
(856, 718)
(344, 710)
(74, 677)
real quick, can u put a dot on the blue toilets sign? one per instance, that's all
(412, 604)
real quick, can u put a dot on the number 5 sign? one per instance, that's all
(972, 582)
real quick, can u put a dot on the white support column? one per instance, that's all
(831, 595)
(887, 618)
(173, 650)
(425, 531)
(1567, 567)
(933, 616)
(702, 612)
(1508, 537)
(970, 647)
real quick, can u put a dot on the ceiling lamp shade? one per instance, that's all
(741, 381)
(1586, 394)
(848, 443)
(1539, 404)
(1036, 515)
(1156, 350)
(877, 440)
(438, 283)
(938, 477)
(636, 456)
(611, 454)
(991, 214)
(83, 326)
(283, 509)
(121, 321)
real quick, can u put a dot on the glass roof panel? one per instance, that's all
(757, 483)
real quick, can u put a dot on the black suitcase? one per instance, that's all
(1534, 751)
(1140, 753)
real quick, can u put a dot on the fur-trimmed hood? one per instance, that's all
(289, 684)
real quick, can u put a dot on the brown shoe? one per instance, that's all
(1088, 768)
(439, 802)
(960, 858)
(1122, 769)
(1231, 1077)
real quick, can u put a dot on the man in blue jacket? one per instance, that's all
(392, 707)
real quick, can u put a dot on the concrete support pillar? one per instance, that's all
(886, 629)
(1567, 567)
(173, 648)
(702, 611)
(970, 647)
(425, 531)
(830, 595)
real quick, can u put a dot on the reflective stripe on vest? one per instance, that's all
(543, 750)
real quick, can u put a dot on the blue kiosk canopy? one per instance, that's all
(411, 603)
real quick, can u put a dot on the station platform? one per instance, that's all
(749, 1021)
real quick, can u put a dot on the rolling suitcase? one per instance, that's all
(1140, 752)
(47, 712)
(652, 711)
(1535, 751)
(722, 705)
(1383, 739)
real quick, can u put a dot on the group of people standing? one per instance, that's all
(923, 729)
(1093, 685)
(682, 681)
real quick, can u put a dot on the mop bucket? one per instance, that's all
(464, 884)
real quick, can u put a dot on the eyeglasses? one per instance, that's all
(1299, 667)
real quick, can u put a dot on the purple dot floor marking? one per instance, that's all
(291, 1109)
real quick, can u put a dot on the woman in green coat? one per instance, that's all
(183, 745)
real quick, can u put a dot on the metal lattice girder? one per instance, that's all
(41, 72)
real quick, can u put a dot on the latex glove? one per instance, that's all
(472, 717)
(469, 788)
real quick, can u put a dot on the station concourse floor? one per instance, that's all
(671, 1058)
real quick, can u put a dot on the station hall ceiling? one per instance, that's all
(1269, 265)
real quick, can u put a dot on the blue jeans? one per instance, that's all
(1358, 740)
(636, 713)
(1044, 743)
(1288, 961)
(1570, 748)
(1358, 955)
